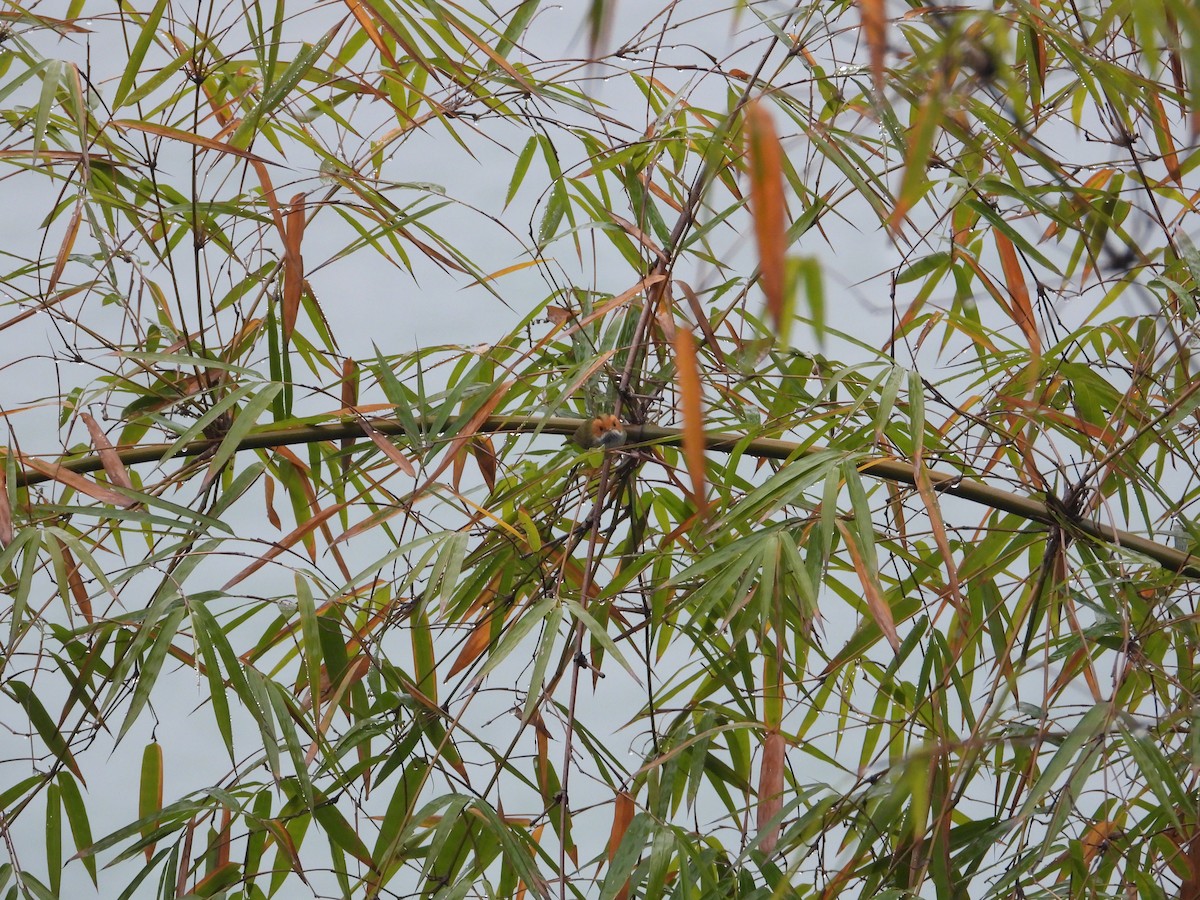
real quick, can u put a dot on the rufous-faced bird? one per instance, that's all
(603, 431)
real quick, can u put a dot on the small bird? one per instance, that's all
(603, 431)
(1180, 534)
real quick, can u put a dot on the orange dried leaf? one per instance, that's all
(269, 499)
(1099, 179)
(187, 137)
(223, 837)
(215, 881)
(1096, 838)
(642, 287)
(1166, 143)
(874, 26)
(877, 606)
(349, 383)
(330, 697)
(701, 317)
(490, 53)
(687, 375)
(638, 235)
(390, 450)
(623, 811)
(293, 265)
(268, 192)
(1022, 308)
(288, 541)
(78, 482)
(484, 452)
(64, 249)
(938, 525)
(770, 791)
(113, 467)
(460, 466)
(367, 24)
(75, 582)
(476, 644)
(768, 207)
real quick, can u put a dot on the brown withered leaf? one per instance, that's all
(113, 467)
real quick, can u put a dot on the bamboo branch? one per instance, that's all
(884, 468)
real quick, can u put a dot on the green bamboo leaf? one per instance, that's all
(401, 400)
(161, 76)
(150, 790)
(35, 888)
(28, 543)
(1071, 753)
(518, 21)
(516, 847)
(447, 567)
(600, 635)
(514, 634)
(444, 859)
(397, 821)
(526, 155)
(242, 424)
(51, 79)
(934, 262)
(424, 658)
(339, 832)
(137, 54)
(541, 660)
(278, 90)
(1158, 773)
(283, 705)
(208, 636)
(310, 637)
(77, 819)
(152, 664)
(34, 71)
(864, 525)
(256, 840)
(226, 405)
(626, 858)
(9, 796)
(261, 709)
(887, 401)
(43, 724)
(54, 838)
(556, 208)
(172, 817)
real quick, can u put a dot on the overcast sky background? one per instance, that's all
(372, 304)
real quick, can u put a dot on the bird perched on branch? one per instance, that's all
(606, 432)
